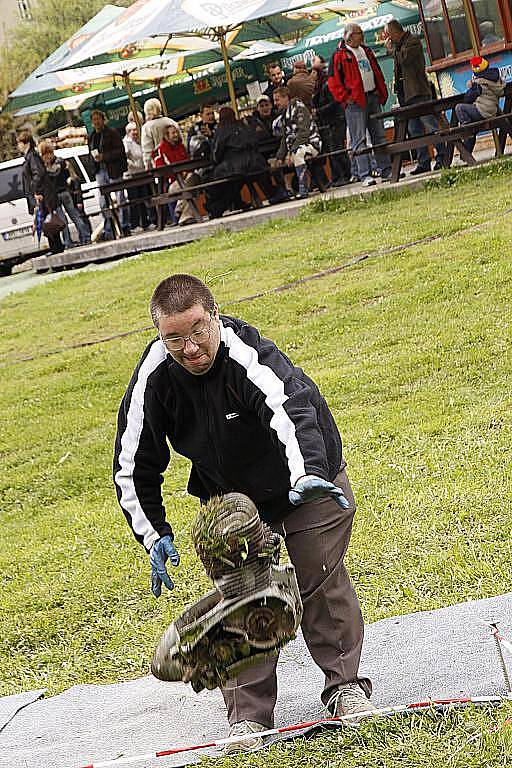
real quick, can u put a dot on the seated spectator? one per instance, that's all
(276, 79)
(262, 118)
(172, 150)
(201, 134)
(301, 84)
(300, 138)
(487, 33)
(481, 100)
(133, 149)
(330, 118)
(153, 129)
(357, 82)
(261, 121)
(235, 153)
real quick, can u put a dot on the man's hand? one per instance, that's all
(389, 45)
(161, 551)
(311, 487)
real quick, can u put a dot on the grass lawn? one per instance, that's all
(411, 350)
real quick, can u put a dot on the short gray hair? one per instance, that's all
(352, 27)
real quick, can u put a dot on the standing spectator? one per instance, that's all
(481, 100)
(201, 134)
(412, 86)
(235, 153)
(330, 118)
(32, 168)
(46, 195)
(109, 164)
(56, 169)
(136, 195)
(75, 190)
(301, 84)
(300, 138)
(357, 82)
(276, 79)
(153, 129)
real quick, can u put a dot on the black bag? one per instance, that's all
(52, 224)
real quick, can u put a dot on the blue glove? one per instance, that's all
(162, 550)
(312, 487)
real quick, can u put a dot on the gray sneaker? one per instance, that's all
(248, 743)
(350, 699)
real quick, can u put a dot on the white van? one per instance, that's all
(16, 239)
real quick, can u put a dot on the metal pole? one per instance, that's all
(158, 84)
(229, 78)
(133, 106)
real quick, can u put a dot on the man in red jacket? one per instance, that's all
(357, 82)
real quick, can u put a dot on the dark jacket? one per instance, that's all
(345, 80)
(411, 81)
(271, 87)
(109, 143)
(328, 111)
(235, 151)
(254, 423)
(46, 184)
(199, 146)
(32, 169)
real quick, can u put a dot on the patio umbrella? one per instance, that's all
(224, 23)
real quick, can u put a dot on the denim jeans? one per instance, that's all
(358, 122)
(66, 203)
(419, 126)
(468, 113)
(102, 177)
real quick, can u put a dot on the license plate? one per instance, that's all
(16, 233)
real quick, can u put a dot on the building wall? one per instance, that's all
(9, 16)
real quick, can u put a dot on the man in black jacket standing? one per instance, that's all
(330, 118)
(412, 86)
(249, 421)
(109, 162)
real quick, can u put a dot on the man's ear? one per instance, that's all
(215, 313)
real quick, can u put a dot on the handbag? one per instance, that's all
(52, 224)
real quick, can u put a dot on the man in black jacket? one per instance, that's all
(109, 163)
(32, 167)
(249, 421)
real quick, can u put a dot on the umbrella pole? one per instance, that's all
(229, 75)
(158, 84)
(133, 106)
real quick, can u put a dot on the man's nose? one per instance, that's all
(192, 343)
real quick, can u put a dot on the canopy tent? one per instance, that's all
(45, 86)
(225, 23)
(325, 37)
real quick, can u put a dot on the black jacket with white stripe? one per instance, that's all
(254, 423)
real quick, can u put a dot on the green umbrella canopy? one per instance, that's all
(182, 93)
(322, 41)
(44, 85)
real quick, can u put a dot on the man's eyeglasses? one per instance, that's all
(177, 343)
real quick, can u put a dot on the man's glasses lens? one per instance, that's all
(177, 343)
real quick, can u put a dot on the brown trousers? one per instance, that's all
(316, 535)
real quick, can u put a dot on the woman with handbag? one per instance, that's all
(46, 194)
